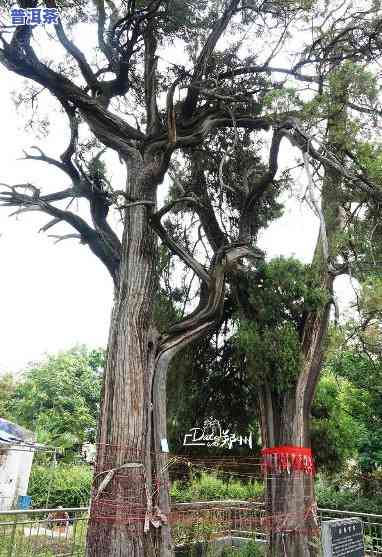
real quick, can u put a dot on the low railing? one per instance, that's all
(39, 533)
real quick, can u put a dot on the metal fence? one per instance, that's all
(34, 533)
(37, 533)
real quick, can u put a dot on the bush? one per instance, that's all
(345, 499)
(62, 485)
(209, 487)
(251, 549)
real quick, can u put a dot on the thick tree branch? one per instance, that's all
(103, 45)
(67, 155)
(220, 26)
(229, 74)
(14, 198)
(257, 190)
(299, 138)
(174, 246)
(112, 130)
(211, 303)
(204, 209)
(74, 51)
(150, 71)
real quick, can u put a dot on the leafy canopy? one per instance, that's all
(282, 294)
(59, 397)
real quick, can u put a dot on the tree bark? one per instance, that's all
(285, 420)
(124, 435)
(290, 504)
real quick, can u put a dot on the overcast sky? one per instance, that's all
(55, 296)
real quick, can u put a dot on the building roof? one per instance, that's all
(17, 437)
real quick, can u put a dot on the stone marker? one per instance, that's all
(343, 538)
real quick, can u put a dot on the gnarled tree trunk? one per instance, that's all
(124, 437)
(131, 488)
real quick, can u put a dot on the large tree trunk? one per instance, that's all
(119, 508)
(131, 485)
(291, 518)
(290, 500)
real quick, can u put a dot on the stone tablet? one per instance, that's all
(343, 538)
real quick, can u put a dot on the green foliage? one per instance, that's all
(7, 390)
(59, 398)
(97, 173)
(250, 549)
(274, 353)
(363, 400)
(354, 78)
(281, 100)
(42, 545)
(203, 382)
(332, 496)
(333, 429)
(283, 293)
(197, 531)
(370, 158)
(349, 81)
(358, 364)
(61, 485)
(209, 487)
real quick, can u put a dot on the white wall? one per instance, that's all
(15, 468)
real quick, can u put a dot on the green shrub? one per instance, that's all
(251, 549)
(63, 485)
(209, 487)
(69, 486)
(345, 499)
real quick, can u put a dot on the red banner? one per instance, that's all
(288, 458)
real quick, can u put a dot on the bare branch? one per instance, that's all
(112, 130)
(171, 116)
(298, 137)
(67, 237)
(103, 45)
(204, 210)
(317, 209)
(74, 51)
(49, 224)
(24, 210)
(138, 203)
(268, 69)
(95, 240)
(167, 208)
(42, 157)
(258, 189)
(153, 120)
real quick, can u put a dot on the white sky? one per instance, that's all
(55, 296)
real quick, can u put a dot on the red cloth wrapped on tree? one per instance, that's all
(288, 458)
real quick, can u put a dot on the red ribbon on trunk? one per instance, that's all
(288, 458)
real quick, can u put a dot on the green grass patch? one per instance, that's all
(209, 487)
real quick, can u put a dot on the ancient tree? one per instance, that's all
(158, 114)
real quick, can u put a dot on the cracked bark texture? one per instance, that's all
(125, 414)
